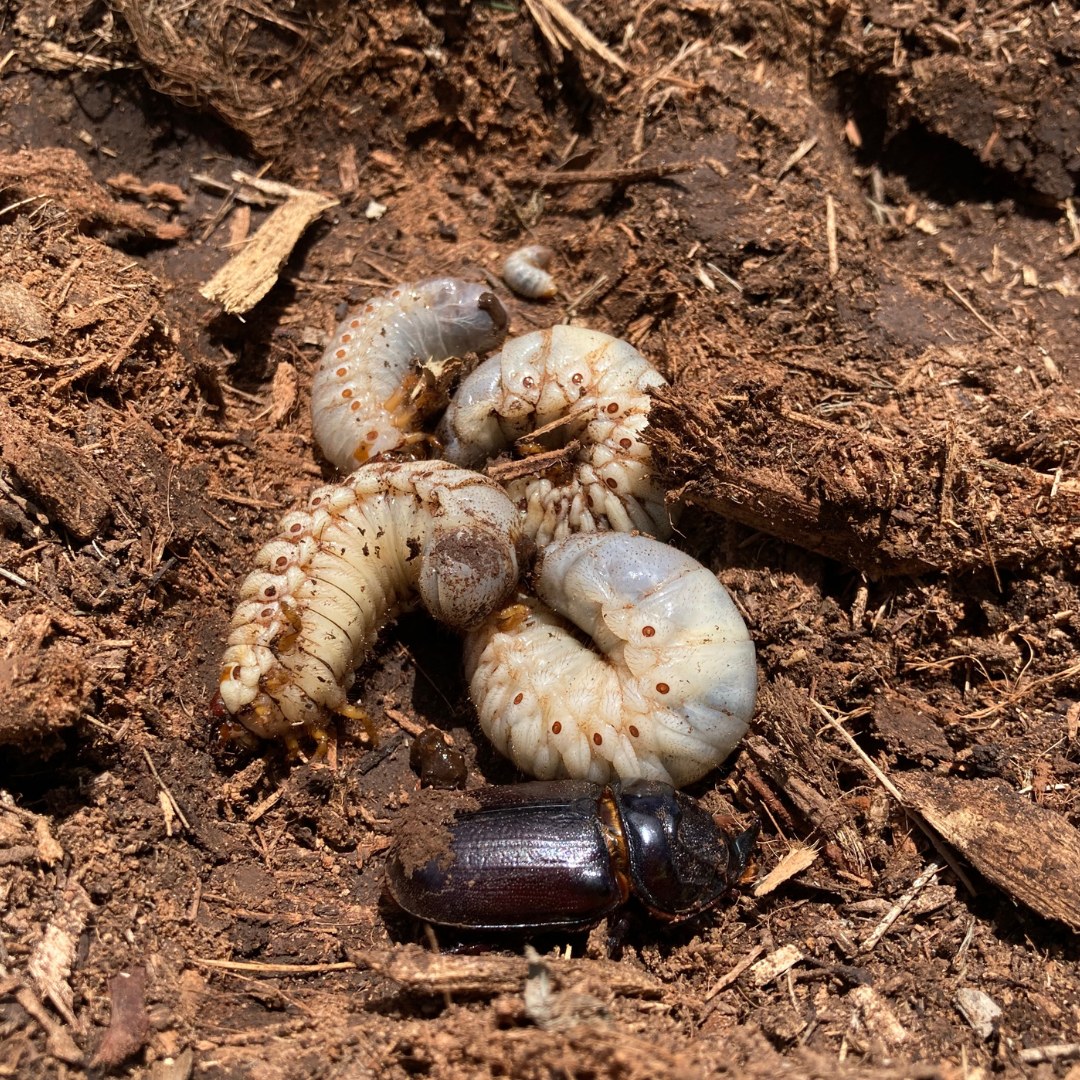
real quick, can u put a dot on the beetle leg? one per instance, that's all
(355, 712)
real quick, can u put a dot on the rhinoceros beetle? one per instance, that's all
(560, 855)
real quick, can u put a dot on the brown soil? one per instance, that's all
(862, 281)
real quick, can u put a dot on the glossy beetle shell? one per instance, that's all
(560, 855)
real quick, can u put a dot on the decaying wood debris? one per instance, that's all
(886, 507)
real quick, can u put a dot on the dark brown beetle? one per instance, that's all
(560, 854)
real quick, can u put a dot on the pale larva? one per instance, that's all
(526, 272)
(359, 553)
(360, 403)
(666, 690)
(582, 386)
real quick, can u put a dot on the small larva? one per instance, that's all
(588, 387)
(666, 690)
(338, 570)
(526, 272)
(360, 394)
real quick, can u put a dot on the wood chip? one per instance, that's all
(246, 278)
(129, 1025)
(284, 393)
(161, 191)
(776, 963)
(1030, 852)
(49, 850)
(794, 862)
(51, 961)
(980, 1010)
(877, 1017)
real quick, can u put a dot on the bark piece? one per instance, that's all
(883, 506)
(129, 1025)
(53, 958)
(1030, 852)
(246, 278)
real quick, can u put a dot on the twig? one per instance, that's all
(798, 154)
(1022, 692)
(244, 500)
(729, 977)
(534, 464)
(275, 969)
(586, 294)
(268, 803)
(633, 175)
(556, 22)
(1038, 1055)
(891, 788)
(830, 233)
(900, 906)
(15, 579)
(165, 788)
(970, 307)
(22, 202)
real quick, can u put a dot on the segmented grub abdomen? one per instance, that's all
(588, 387)
(526, 272)
(665, 690)
(351, 560)
(359, 404)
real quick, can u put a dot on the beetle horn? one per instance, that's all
(741, 846)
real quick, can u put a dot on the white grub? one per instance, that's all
(360, 403)
(338, 570)
(526, 272)
(591, 388)
(665, 690)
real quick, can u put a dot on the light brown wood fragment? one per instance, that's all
(437, 973)
(562, 28)
(794, 862)
(1030, 852)
(53, 958)
(246, 278)
(284, 392)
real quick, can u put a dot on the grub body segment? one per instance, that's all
(576, 388)
(361, 404)
(526, 272)
(359, 553)
(663, 689)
